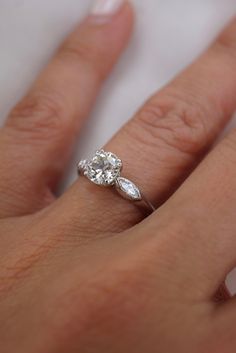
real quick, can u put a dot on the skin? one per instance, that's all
(89, 272)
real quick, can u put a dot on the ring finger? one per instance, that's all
(164, 141)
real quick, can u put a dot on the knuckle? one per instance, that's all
(39, 116)
(108, 299)
(172, 120)
(91, 57)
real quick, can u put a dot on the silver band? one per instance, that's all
(104, 169)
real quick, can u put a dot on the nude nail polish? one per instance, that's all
(105, 7)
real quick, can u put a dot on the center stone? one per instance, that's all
(104, 168)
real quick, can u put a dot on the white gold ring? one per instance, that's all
(104, 169)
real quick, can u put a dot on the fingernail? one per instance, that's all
(105, 7)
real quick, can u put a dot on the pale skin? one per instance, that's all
(87, 272)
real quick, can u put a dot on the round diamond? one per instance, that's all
(104, 168)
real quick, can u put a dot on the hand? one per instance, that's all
(86, 272)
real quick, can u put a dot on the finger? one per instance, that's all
(167, 137)
(203, 213)
(224, 325)
(38, 135)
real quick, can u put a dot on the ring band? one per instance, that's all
(104, 169)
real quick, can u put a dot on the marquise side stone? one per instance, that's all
(128, 189)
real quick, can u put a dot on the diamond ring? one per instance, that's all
(104, 169)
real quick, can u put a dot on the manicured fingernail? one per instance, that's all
(105, 7)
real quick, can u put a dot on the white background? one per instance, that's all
(169, 34)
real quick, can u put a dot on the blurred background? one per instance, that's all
(169, 35)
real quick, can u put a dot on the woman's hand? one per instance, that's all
(86, 273)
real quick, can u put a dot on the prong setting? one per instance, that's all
(104, 169)
(82, 167)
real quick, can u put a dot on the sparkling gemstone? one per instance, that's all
(104, 168)
(128, 189)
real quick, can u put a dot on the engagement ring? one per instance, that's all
(104, 169)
